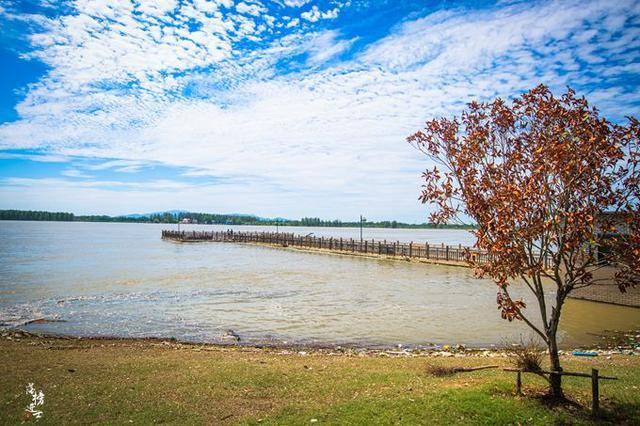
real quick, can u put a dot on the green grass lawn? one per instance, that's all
(111, 381)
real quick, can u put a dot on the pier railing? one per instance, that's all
(437, 253)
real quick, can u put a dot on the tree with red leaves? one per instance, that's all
(548, 181)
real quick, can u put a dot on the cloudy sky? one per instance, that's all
(284, 108)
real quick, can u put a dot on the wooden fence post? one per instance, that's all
(595, 393)
(519, 383)
(410, 248)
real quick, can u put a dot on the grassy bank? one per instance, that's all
(124, 381)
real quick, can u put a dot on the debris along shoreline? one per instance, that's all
(623, 343)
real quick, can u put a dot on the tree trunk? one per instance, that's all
(555, 380)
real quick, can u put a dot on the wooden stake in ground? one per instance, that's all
(595, 393)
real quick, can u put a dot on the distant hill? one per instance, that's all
(141, 215)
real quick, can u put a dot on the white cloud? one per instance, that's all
(292, 23)
(315, 14)
(331, 14)
(127, 165)
(157, 7)
(327, 139)
(119, 42)
(75, 173)
(296, 3)
(155, 185)
(207, 6)
(250, 9)
(41, 158)
(326, 46)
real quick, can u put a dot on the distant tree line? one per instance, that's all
(36, 215)
(336, 223)
(209, 218)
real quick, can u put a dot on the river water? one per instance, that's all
(116, 279)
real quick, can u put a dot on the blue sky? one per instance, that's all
(284, 108)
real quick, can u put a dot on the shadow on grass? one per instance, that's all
(611, 411)
(620, 413)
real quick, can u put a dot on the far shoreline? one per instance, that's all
(468, 228)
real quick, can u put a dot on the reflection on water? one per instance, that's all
(122, 279)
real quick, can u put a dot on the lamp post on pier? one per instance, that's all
(362, 220)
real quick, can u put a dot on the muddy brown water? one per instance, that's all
(111, 279)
